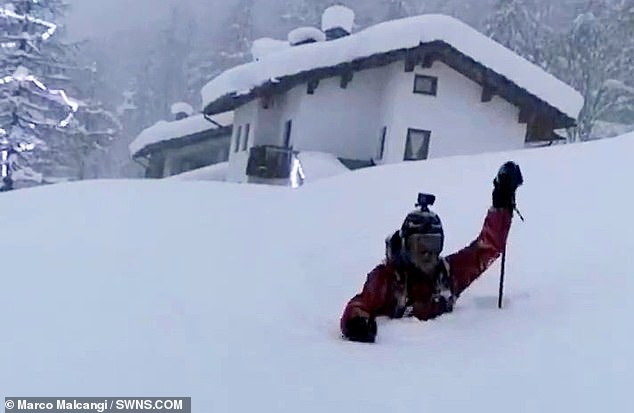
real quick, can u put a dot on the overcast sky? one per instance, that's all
(95, 17)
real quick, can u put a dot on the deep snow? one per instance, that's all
(231, 294)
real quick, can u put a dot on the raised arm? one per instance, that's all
(468, 264)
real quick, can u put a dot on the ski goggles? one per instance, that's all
(425, 243)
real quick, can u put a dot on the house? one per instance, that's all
(189, 142)
(410, 89)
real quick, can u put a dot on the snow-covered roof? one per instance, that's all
(224, 119)
(164, 131)
(397, 35)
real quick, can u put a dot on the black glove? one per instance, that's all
(443, 304)
(361, 329)
(508, 179)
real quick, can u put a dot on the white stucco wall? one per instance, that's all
(348, 122)
(245, 114)
(269, 121)
(343, 122)
(459, 122)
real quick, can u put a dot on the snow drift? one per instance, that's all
(231, 294)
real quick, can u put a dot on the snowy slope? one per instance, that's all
(215, 172)
(231, 294)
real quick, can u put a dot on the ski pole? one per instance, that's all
(500, 296)
(502, 278)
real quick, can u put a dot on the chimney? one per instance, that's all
(337, 21)
(182, 110)
(305, 35)
(265, 46)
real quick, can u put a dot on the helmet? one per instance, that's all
(425, 227)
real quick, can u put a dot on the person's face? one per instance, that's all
(424, 251)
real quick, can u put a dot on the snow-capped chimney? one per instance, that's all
(337, 21)
(182, 110)
(265, 46)
(305, 35)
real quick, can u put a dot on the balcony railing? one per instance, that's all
(270, 162)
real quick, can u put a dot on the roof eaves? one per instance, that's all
(438, 48)
(192, 139)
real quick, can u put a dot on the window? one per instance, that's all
(287, 133)
(417, 145)
(189, 164)
(238, 135)
(381, 150)
(186, 165)
(245, 142)
(426, 85)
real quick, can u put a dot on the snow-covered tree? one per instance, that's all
(621, 19)
(94, 129)
(592, 53)
(31, 38)
(33, 46)
(521, 26)
(305, 12)
(117, 162)
(176, 44)
(168, 71)
(34, 107)
(201, 66)
(595, 56)
(397, 9)
(234, 43)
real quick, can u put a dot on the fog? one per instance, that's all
(103, 18)
(162, 51)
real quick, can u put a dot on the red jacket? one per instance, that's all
(390, 287)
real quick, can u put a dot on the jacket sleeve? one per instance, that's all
(466, 265)
(370, 300)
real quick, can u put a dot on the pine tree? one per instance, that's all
(32, 111)
(117, 162)
(236, 40)
(201, 66)
(169, 71)
(397, 9)
(60, 144)
(176, 43)
(622, 23)
(93, 132)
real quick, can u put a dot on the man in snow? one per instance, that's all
(414, 280)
